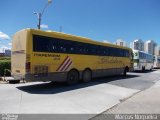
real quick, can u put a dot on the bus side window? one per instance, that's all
(106, 51)
(78, 48)
(154, 58)
(128, 54)
(84, 49)
(121, 53)
(117, 52)
(98, 50)
(72, 50)
(54, 47)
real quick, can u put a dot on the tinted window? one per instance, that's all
(55, 45)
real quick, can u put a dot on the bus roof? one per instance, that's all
(72, 37)
(141, 52)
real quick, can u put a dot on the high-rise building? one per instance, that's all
(8, 53)
(157, 50)
(149, 47)
(137, 44)
(2, 54)
(121, 42)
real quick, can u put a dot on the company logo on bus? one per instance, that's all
(65, 65)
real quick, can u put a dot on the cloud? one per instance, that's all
(4, 47)
(4, 36)
(44, 26)
(1, 50)
(106, 41)
(10, 44)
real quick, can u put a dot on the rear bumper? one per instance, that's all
(18, 76)
(59, 77)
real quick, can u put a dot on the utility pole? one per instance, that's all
(40, 14)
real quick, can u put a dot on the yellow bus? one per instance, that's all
(53, 56)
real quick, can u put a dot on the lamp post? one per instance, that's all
(40, 14)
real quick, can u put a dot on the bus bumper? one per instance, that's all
(57, 77)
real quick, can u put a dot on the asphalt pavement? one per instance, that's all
(144, 105)
(92, 98)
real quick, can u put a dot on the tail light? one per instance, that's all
(28, 66)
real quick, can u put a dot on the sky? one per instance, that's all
(100, 20)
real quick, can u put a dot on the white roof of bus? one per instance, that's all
(141, 52)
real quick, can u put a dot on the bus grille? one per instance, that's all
(41, 71)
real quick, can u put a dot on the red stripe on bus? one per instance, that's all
(68, 66)
(67, 62)
(62, 63)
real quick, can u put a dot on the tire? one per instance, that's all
(125, 72)
(14, 81)
(87, 76)
(143, 68)
(72, 77)
(151, 68)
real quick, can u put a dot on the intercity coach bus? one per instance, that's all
(156, 61)
(142, 60)
(53, 56)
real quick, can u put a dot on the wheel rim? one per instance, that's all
(72, 77)
(87, 76)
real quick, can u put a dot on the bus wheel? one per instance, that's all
(86, 76)
(72, 77)
(14, 81)
(125, 71)
(151, 68)
(143, 68)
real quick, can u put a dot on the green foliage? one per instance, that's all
(5, 58)
(4, 65)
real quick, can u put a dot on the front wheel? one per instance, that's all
(143, 68)
(72, 77)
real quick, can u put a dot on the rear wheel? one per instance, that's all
(125, 71)
(87, 76)
(72, 77)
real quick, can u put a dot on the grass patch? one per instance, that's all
(5, 58)
(5, 64)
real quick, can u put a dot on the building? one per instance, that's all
(121, 42)
(137, 44)
(150, 46)
(8, 53)
(157, 50)
(2, 54)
